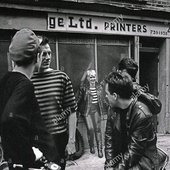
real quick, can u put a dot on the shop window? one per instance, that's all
(108, 56)
(4, 64)
(75, 56)
(53, 57)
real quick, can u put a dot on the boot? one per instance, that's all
(92, 150)
(91, 141)
(100, 152)
(99, 145)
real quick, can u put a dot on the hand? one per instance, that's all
(121, 167)
(38, 153)
(71, 149)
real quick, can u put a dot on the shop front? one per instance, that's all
(81, 40)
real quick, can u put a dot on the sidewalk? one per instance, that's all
(92, 162)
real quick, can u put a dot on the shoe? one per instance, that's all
(100, 153)
(92, 150)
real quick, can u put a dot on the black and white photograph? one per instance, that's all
(84, 84)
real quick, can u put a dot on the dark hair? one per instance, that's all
(44, 41)
(120, 83)
(130, 65)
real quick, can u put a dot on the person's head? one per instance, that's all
(45, 53)
(24, 48)
(130, 66)
(119, 87)
(91, 75)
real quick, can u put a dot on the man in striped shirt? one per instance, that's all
(54, 93)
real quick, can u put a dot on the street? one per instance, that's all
(92, 162)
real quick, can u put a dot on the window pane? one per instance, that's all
(109, 56)
(4, 45)
(74, 59)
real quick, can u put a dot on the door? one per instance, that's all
(148, 74)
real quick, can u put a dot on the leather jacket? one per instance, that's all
(84, 99)
(140, 151)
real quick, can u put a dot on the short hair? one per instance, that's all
(120, 83)
(130, 65)
(44, 40)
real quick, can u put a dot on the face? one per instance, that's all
(110, 97)
(46, 57)
(91, 78)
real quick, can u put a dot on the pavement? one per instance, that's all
(92, 162)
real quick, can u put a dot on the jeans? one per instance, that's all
(61, 141)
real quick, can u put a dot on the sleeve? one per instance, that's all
(16, 127)
(79, 96)
(113, 138)
(142, 132)
(16, 144)
(108, 140)
(69, 97)
(23, 108)
(112, 143)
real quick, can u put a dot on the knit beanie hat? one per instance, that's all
(24, 45)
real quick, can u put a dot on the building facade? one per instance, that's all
(98, 33)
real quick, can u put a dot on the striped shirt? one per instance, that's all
(54, 93)
(94, 95)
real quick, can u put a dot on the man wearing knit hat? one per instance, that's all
(22, 129)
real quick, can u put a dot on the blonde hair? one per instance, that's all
(91, 73)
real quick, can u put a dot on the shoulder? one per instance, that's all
(142, 110)
(61, 74)
(26, 87)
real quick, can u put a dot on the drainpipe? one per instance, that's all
(167, 86)
(136, 54)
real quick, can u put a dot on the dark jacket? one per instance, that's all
(153, 103)
(137, 148)
(21, 124)
(84, 99)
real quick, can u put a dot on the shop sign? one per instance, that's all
(106, 25)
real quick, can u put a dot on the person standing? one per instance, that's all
(54, 93)
(90, 106)
(22, 129)
(128, 65)
(130, 138)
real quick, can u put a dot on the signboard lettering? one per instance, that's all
(105, 25)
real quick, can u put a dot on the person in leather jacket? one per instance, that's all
(130, 139)
(90, 107)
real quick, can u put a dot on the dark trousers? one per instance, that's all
(93, 124)
(61, 141)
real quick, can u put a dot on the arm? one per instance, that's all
(16, 143)
(15, 123)
(79, 95)
(108, 141)
(72, 132)
(141, 134)
(85, 73)
(69, 102)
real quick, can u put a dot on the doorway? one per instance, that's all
(148, 71)
(148, 75)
